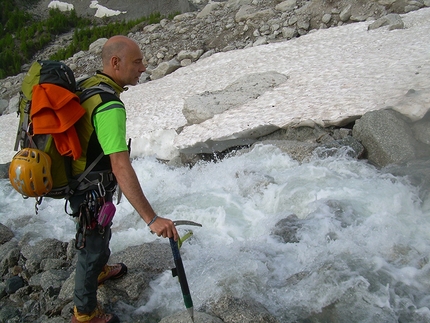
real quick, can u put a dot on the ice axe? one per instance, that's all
(179, 271)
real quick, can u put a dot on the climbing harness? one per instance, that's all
(94, 212)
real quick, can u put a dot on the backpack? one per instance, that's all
(52, 82)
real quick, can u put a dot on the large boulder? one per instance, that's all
(388, 138)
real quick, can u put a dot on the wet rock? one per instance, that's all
(13, 284)
(287, 229)
(184, 317)
(6, 234)
(235, 310)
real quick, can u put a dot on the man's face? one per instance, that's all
(131, 66)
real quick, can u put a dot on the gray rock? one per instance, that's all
(165, 68)
(13, 284)
(9, 313)
(208, 9)
(235, 310)
(96, 47)
(421, 130)
(287, 228)
(6, 234)
(393, 21)
(13, 105)
(252, 13)
(9, 256)
(204, 106)
(345, 14)
(387, 137)
(192, 55)
(184, 317)
(3, 106)
(44, 249)
(300, 151)
(289, 32)
(288, 5)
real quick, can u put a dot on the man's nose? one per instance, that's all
(144, 65)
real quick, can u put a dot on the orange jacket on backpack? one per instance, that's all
(55, 110)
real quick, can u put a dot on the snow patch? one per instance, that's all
(62, 6)
(103, 11)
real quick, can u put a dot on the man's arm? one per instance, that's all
(130, 186)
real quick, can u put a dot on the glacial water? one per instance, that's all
(361, 239)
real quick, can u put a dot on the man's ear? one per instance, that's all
(115, 62)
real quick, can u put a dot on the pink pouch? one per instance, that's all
(106, 214)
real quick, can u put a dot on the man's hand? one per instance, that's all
(165, 228)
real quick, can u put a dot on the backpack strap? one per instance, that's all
(75, 184)
(93, 90)
(23, 127)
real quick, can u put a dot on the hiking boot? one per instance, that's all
(112, 272)
(97, 316)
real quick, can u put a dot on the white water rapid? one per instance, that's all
(363, 235)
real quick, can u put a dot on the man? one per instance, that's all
(102, 129)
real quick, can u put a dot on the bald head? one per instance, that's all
(116, 46)
(122, 60)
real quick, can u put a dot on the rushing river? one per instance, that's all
(360, 239)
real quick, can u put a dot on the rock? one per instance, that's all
(421, 130)
(192, 55)
(165, 68)
(250, 12)
(414, 104)
(6, 234)
(289, 32)
(300, 151)
(285, 6)
(9, 255)
(393, 21)
(13, 284)
(44, 249)
(204, 106)
(207, 10)
(326, 18)
(13, 105)
(184, 317)
(232, 309)
(96, 47)
(3, 106)
(388, 138)
(345, 14)
(287, 228)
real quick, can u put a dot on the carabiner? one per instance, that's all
(102, 190)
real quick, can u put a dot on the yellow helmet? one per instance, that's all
(30, 172)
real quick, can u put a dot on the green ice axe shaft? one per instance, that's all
(180, 272)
